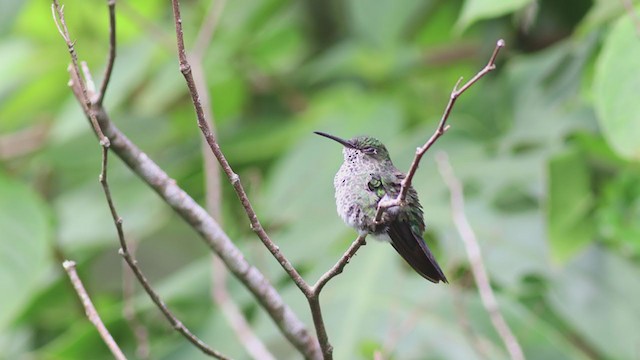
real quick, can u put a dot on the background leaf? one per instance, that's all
(475, 10)
(616, 82)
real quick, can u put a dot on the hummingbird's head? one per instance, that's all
(360, 148)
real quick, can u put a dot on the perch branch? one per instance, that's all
(314, 296)
(339, 266)
(475, 259)
(440, 130)
(90, 310)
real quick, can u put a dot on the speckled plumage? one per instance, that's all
(367, 176)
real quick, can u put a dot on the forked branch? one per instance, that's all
(312, 293)
(81, 86)
(440, 130)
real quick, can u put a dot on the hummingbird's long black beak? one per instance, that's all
(335, 138)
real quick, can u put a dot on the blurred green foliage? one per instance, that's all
(547, 147)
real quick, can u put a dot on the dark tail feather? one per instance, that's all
(414, 251)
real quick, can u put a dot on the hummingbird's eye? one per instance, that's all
(369, 150)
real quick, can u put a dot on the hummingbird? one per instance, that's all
(366, 177)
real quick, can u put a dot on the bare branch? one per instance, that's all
(133, 265)
(219, 293)
(112, 51)
(209, 230)
(58, 17)
(81, 91)
(90, 310)
(339, 266)
(440, 130)
(186, 207)
(185, 68)
(310, 349)
(311, 293)
(475, 259)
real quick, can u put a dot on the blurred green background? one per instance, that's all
(547, 146)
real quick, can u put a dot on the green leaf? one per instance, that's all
(619, 210)
(570, 201)
(616, 87)
(26, 231)
(474, 10)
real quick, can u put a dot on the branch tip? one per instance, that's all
(68, 264)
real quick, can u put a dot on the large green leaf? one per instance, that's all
(25, 232)
(474, 10)
(616, 87)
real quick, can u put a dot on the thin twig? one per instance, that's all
(185, 68)
(339, 266)
(112, 51)
(58, 17)
(199, 220)
(475, 259)
(313, 298)
(440, 130)
(311, 293)
(133, 265)
(81, 90)
(219, 292)
(310, 349)
(90, 310)
(209, 230)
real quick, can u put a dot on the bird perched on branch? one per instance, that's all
(367, 177)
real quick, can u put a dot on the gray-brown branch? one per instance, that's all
(90, 310)
(440, 130)
(178, 199)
